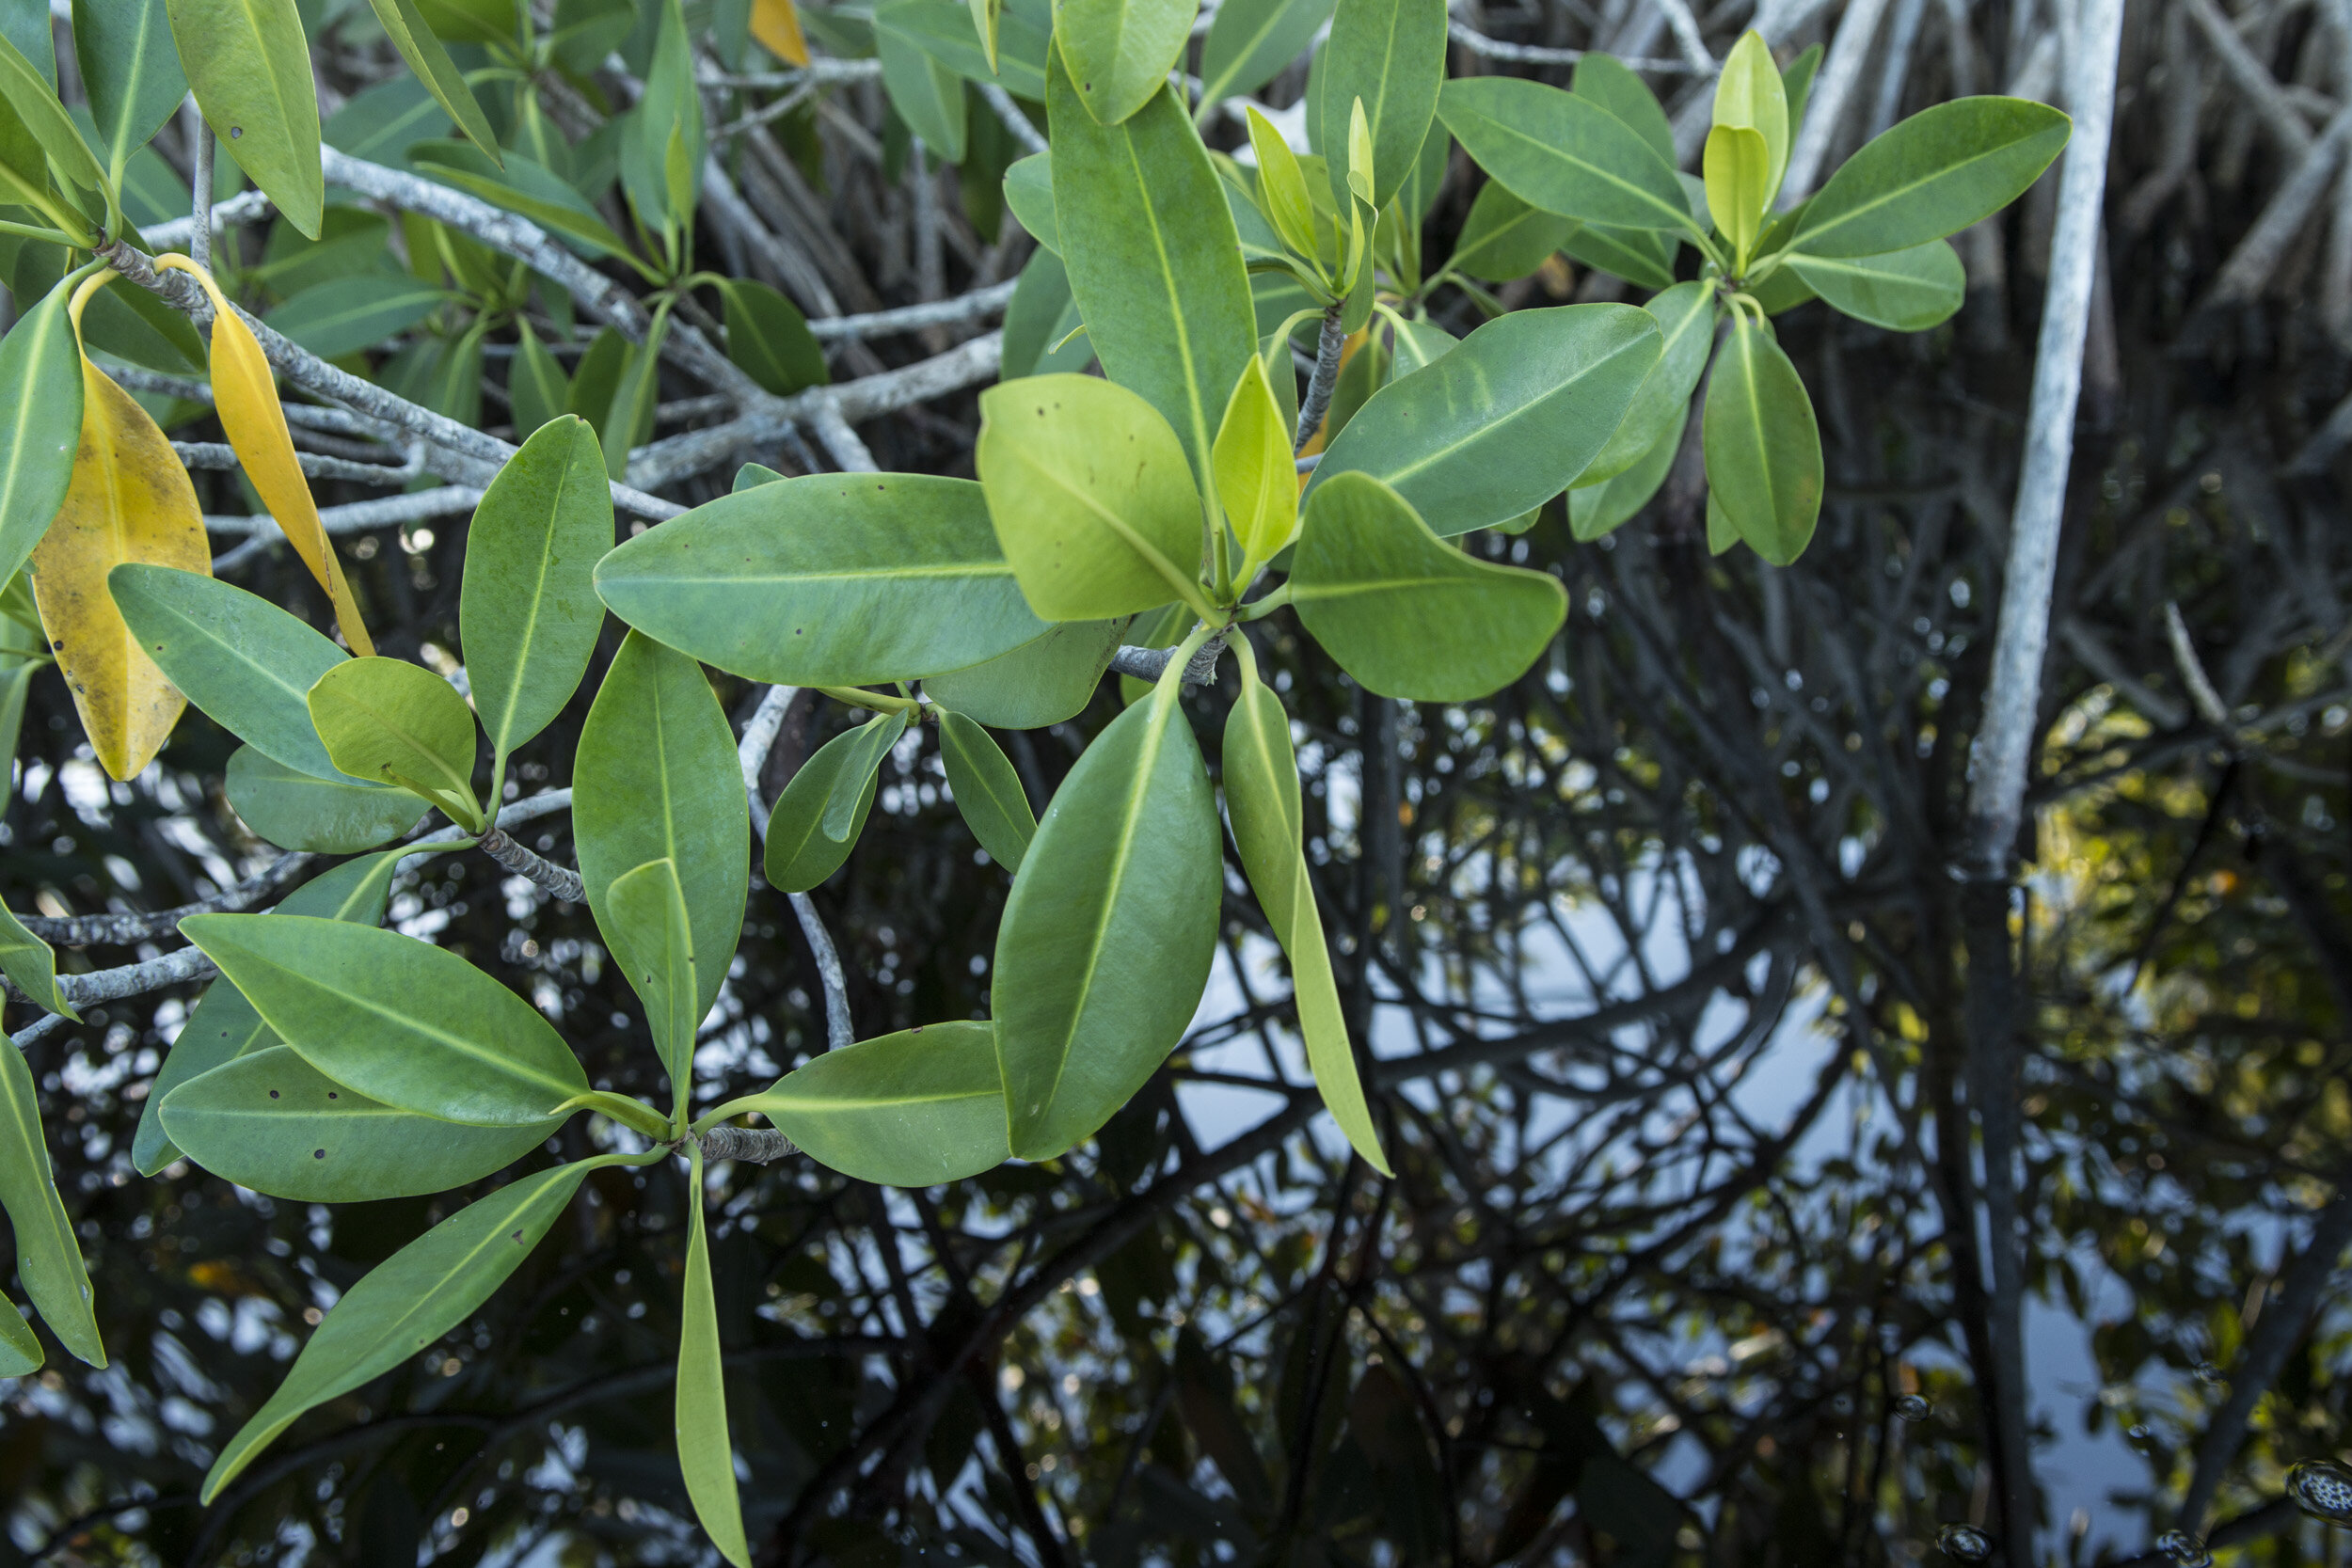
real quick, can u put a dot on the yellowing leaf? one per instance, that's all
(244, 392)
(777, 26)
(130, 500)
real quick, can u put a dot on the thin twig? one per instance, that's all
(907, 318)
(760, 737)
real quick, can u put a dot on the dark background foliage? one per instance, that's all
(1657, 952)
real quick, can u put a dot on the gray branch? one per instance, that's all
(540, 872)
(1149, 664)
(220, 456)
(1329, 344)
(1532, 54)
(123, 930)
(758, 1146)
(945, 312)
(760, 737)
(1826, 108)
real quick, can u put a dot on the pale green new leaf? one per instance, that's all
(1092, 501)
(1750, 95)
(1153, 258)
(1737, 165)
(832, 579)
(399, 1020)
(1933, 175)
(1107, 941)
(701, 1410)
(988, 792)
(1904, 290)
(1503, 423)
(914, 1109)
(249, 65)
(1261, 798)
(390, 722)
(528, 613)
(1256, 480)
(47, 1258)
(1763, 447)
(405, 1303)
(1407, 614)
(270, 1121)
(657, 778)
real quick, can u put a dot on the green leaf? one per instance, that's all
(528, 187)
(1750, 95)
(1391, 54)
(653, 942)
(914, 1109)
(630, 419)
(31, 26)
(1503, 423)
(271, 1121)
(1256, 480)
(1685, 316)
(1043, 335)
(597, 376)
(536, 385)
(347, 314)
(407, 1301)
(947, 30)
(1262, 798)
(988, 792)
(31, 965)
(1597, 509)
(1419, 343)
(1564, 153)
(1737, 164)
(223, 1027)
(1041, 682)
(1640, 256)
(1504, 238)
(34, 96)
(703, 1451)
(1763, 448)
(1612, 85)
(387, 720)
(297, 810)
(1904, 290)
(529, 614)
(1107, 937)
(400, 1020)
(47, 1259)
(1153, 259)
(751, 475)
(380, 124)
(829, 580)
(249, 66)
(1283, 194)
(248, 664)
(657, 778)
(1933, 175)
(430, 61)
(40, 388)
(800, 855)
(928, 95)
(1091, 495)
(1249, 42)
(672, 102)
(1796, 85)
(1117, 54)
(130, 70)
(768, 338)
(1407, 614)
(20, 1347)
(854, 789)
(1030, 191)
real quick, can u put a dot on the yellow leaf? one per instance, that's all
(130, 500)
(245, 393)
(777, 26)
